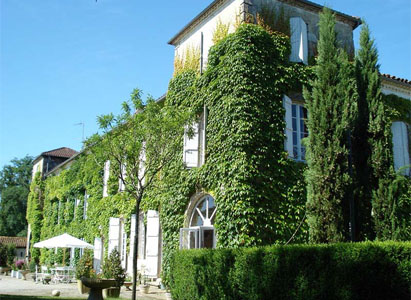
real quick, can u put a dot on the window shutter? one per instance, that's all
(299, 40)
(114, 235)
(191, 148)
(97, 254)
(288, 126)
(132, 234)
(400, 145)
(105, 177)
(153, 232)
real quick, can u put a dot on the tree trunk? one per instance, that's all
(135, 249)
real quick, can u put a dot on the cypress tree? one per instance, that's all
(331, 104)
(375, 172)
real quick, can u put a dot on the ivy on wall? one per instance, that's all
(260, 193)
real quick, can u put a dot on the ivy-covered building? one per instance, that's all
(242, 182)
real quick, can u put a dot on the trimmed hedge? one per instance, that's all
(369, 270)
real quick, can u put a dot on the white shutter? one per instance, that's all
(299, 40)
(105, 177)
(288, 126)
(191, 152)
(132, 234)
(153, 232)
(114, 234)
(400, 145)
(97, 254)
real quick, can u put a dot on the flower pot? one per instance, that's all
(144, 288)
(113, 292)
(24, 273)
(4, 270)
(19, 275)
(82, 288)
(13, 273)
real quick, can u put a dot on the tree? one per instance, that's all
(139, 143)
(331, 105)
(374, 163)
(14, 189)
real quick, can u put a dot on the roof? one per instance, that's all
(396, 79)
(20, 242)
(60, 152)
(353, 21)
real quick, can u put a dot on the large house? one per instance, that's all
(198, 230)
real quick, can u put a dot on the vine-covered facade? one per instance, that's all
(239, 179)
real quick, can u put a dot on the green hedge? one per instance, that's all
(369, 270)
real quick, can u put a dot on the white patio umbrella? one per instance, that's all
(63, 241)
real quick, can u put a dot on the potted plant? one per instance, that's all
(144, 287)
(112, 269)
(84, 269)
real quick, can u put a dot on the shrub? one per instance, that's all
(84, 267)
(112, 268)
(370, 270)
(11, 249)
(3, 255)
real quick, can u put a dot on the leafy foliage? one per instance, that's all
(35, 213)
(7, 254)
(14, 189)
(220, 32)
(84, 267)
(188, 60)
(112, 268)
(335, 271)
(374, 164)
(331, 105)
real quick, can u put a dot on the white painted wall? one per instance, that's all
(37, 167)
(226, 13)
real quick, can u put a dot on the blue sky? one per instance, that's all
(64, 62)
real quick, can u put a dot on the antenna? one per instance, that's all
(81, 123)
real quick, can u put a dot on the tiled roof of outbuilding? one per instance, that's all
(19, 242)
(60, 152)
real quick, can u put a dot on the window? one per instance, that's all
(194, 147)
(201, 233)
(191, 145)
(299, 117)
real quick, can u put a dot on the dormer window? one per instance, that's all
(299, 40)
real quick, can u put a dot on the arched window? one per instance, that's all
(200, 232)
(203, 213)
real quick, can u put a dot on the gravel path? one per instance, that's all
(13, 286)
